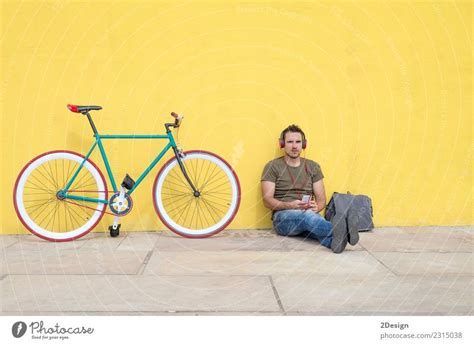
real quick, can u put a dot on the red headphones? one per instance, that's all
(281, 140)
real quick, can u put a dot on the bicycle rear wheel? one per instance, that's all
(197, 216)
(43, 211)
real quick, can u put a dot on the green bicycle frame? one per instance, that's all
(98, 142)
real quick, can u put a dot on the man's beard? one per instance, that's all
(294, 154)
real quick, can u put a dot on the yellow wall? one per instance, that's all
(383, 91)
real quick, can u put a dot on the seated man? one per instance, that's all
(293, 189)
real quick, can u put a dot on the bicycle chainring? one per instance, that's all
(120, 207)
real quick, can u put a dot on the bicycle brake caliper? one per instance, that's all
(180, 152)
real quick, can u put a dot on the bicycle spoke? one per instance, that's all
(40, 185)
(216, 197)
(75, 211)
(50, 173)
(51, 199)
(69, 171)
(191, 172)
(197, 174)
(213, 179)
(218, 206)
(210, 211)
(78, 183)
(63, 182)
(208, 172)
(193, 213)
(177, 198)
(215, 207)
(177, 185)
(75, 168)
(180, 206)
(176, 193)
(39, 193)
(86, 186)
(206, 176)
(65, 215)
(51, 219)
(45, 175)
(39, 211)
(36, 200)
(59, 215)
(186, 206)
(222, 184)
(71, 214)
(56, 216)
(56, 170)
(199, 215)
(179, 177)
(226, 191)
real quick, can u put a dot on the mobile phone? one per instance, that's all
(306, 198)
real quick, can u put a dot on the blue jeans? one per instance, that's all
(306, 223)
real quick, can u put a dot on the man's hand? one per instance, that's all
(314, 206)
(299, 205)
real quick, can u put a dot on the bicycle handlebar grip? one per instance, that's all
(177, 117)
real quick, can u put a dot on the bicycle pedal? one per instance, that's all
(114, 232)
(128, 182)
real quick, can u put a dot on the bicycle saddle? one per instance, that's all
(82, 108)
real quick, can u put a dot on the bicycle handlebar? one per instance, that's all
(177, 119)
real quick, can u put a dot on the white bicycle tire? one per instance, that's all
(38, 230)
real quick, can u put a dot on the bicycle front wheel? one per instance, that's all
(197, 216)
(39, 204)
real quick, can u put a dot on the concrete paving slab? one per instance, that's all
(460, 230)
(407, 240)
(410, 271)
(99, 241)
(76, 293)
(381, 295)
(103, 261)
(139, 241)
(148, 313)
(31, 243)
(263, 263)
(7, 241)
(427, 263)
(244, 240)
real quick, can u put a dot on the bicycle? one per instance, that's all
(62, 195)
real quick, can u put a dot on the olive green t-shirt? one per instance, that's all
(291, 183)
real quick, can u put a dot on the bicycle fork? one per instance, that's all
(179, 154)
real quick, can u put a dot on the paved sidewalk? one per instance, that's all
(392, 271)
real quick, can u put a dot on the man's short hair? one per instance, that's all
(293, 129)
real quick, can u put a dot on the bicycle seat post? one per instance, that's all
(91, 122)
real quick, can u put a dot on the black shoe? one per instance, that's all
(339, 235)
(353, 226)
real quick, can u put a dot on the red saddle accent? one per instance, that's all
(82, 108)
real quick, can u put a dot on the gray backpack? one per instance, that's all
(339, 205)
